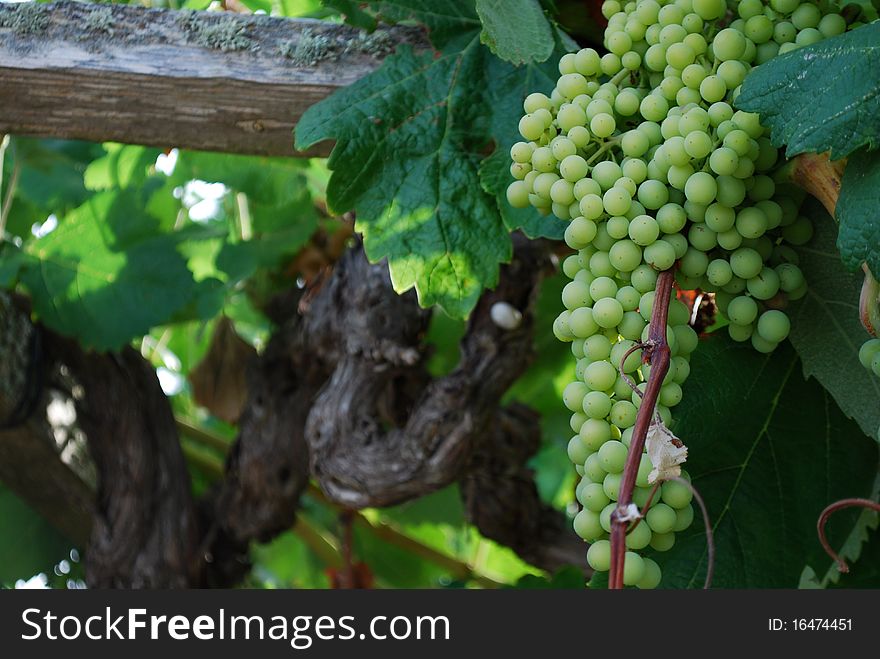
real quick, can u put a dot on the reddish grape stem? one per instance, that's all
(828, 512)
(655, 353)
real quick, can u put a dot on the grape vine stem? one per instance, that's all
(655, 353)
(827, 513)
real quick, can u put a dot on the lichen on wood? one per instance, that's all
(26, 18)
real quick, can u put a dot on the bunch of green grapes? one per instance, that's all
(642, 152)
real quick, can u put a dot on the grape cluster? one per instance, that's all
(642, 152)
(869, 355)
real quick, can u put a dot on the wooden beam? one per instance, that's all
(214, 81)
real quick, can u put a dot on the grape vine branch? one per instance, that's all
(656, 353)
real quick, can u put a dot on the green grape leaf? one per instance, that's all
(567, 578)
(821, 97)
(104, 276)
(407, 157)
(281, 213)
(857, 211)
(123, 166)
(516, 30)
(440, 507)
(505, 95)
(826, 330)
(409, 142)
(864, 572)
(11, 260)
(49, 176)
(352, 13)
(29, 545)
(445, 20)
(768, 450)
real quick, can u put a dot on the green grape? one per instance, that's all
(612, 456)
(602, 287)
(832, 25)
(562, 192)
(518, 194)
(661, 518)
(694, 263)
(806, 16)
(719, 272)
(682, 369)
(740, 333)
(773, 326)
(800, 232)
(760, 344)
(728, 44)
(736, 285)
(671, 218)
(645, 468)
(594, 433)
(644, 278)
(746, 263)
(600, 376)
(644, 230)
(602, 125)
(713, 88)
(702, 237)
(586, 525)
(611, 485)
(599, 556)
(868, 351)
(580, 233)
(719, 218)
(573, 395)
(633, 565)
(742, 310)
(629, 298)
(639, 537)
(651, 577)
(701, 188)
(675, 494)
(592, 497)
(606, 174)
(653, 194)
(597, 405)
(765, 285)
(597, 347)
(592, 470)
(581, 323)
(660, 255)
(662, 541)
(623, 414)
(576, 294)
(577, 451)
(560, 327)
(684, 517)
(607, 312)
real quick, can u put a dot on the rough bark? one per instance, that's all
(30, 464)
(341, 393)
(268, 467)
(502, 500)
(144, 530)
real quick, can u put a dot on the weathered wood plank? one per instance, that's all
(212, 81)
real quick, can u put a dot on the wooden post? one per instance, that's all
(214, 81)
